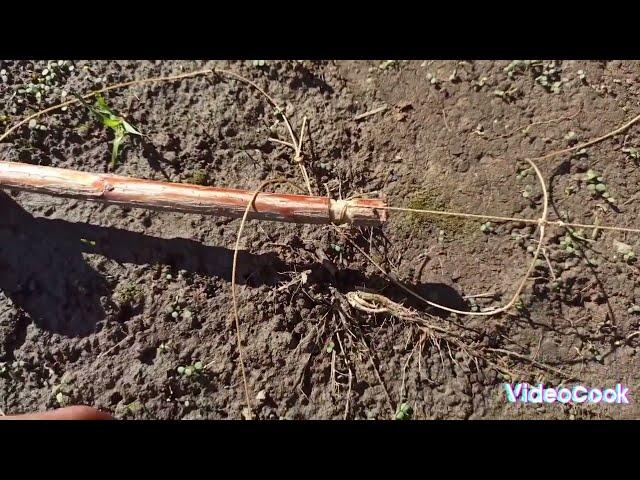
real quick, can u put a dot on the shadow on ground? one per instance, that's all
(43, 271)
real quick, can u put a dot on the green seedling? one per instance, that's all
(478, 84)
(549, 76)
(628, 255)
(336, 248)
(519, 67)
(633, 309)
(121, 128)
(388, 64)
(258, 63)
(404, 412)
(165, 347)
(523, 172)
(528, 191)
(509, 95)
(571, 244)
(519, 239)
(632, 152)
(49, 80)
(433, 80)
(597, 186)
(279, 114)
(473, 305)
(330, 347)
(486, 227)
(91, 243)
(63, 392)
(580, 153)
(179, 312)
(191, 370)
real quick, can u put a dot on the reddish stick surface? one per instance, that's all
(182, 197)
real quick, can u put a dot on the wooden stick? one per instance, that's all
(182, 197)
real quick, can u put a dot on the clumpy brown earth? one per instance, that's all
(101, 305)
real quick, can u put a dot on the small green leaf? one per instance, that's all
(591, 175)
(129, 128)
(117, 144)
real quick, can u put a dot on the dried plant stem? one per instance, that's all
(580, 146)
(183, 197)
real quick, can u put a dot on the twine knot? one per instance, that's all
(338, 211)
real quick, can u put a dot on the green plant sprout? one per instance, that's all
(486, 227)
(632, 152)
(571, 243)
(121, 128)
(549, 76)
(520, 66)
(509, 95)
(633, 309)
(388, 64)
(596, 185)
(190, 370)
(404, 412)
(628, 255)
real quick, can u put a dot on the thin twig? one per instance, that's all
(299, 159)
(481, 295)
(580, 146)
(371, 112)
(282, 142)
(233, 284)
(553, 120)
(530, 360)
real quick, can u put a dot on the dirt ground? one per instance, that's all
(102, 305)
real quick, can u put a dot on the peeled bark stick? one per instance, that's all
(182, 197)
